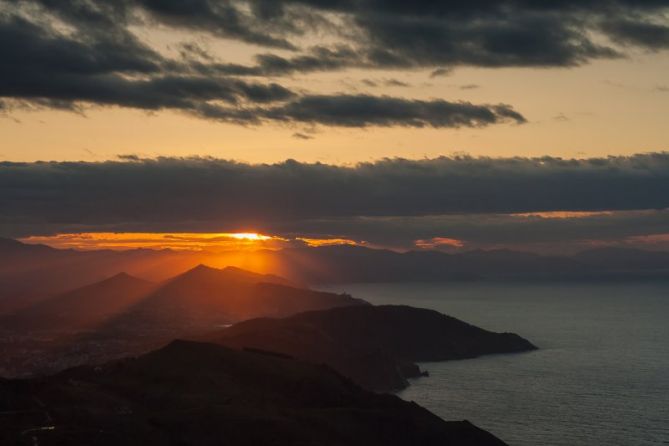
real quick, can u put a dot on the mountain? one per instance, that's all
(124, 315)
(342, 264)
(205, 297)
(84, 308)
(359, 264)
(29, 273)
(201, 394)
(376, 346)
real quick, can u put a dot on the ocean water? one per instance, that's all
(601, 376)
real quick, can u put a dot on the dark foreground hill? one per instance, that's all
(202, 394)
(376, 346)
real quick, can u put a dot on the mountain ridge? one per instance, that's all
(32, 276)
(123, 315)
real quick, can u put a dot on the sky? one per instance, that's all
(407, 125)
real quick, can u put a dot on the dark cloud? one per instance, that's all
(317, 58)
(390, 33)
(444, 35)
(364, 110)
(56, 71)
(384, 83)
(359, 111)
(69, 53)
(653, 36)
(173, 193)
(303, 136)
(28, 45)
(521, 40)
(441, 72)
(223, 18)
(46, 68)
(395, 83)
(490, 230)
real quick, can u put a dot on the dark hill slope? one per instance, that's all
(123, 316)
(84, 308)
(205, 297)
(203, 394)
(376, 346)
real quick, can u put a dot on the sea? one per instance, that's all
(600, 376)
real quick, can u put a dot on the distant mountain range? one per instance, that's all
(29, 273)
(200, 298)
(205, 297)
(84, 308)
(360, 264)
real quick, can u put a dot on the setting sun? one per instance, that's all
(248, 236)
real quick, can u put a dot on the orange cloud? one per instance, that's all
(315, 242)
(437, 242)
(216, 242)
(176, 241)
(562, 214)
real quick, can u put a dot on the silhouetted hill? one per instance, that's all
(29, 273)
(202, 394)
(85, 308)
(343, 264)
(205, 297)
(376, 346)
(360, 264)
(235, 273)
(125, 315)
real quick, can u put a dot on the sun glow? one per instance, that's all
(248, 236)
(226, 241)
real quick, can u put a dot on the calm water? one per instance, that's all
(601, 376)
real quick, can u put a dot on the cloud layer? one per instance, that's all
(392, 202)
(71, 54)
(101, 62)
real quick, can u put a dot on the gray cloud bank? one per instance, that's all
(69, 54)
(425, 33)
(52, 70)
(641, 229)
(393, 199)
